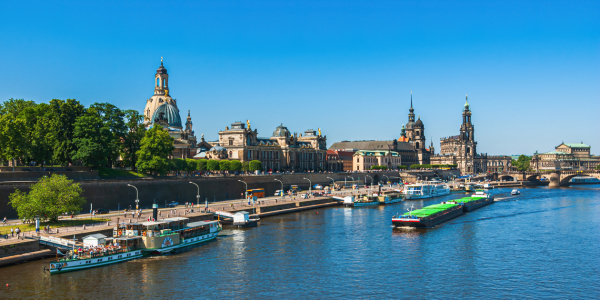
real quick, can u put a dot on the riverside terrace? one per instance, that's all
(116, 194)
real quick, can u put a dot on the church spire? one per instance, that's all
(467, 102)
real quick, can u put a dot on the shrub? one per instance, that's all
(213, 165)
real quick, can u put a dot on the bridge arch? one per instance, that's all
(564, 180)
(506, 178)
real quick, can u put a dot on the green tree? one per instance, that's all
(12, 138)
(49, 198)
(14, 130)
(92, 139)
(191, 165)
(213, 165)
(235, 165)
(255, 165)
(155, 148)
(135, 132)
(598, 167)
(522, 163)
(224, 165)
(38, 133)
(246, 166)
(113, 118)
(62, 126)
(202, 165)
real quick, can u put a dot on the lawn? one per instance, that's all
(61, 223)
(116, 173)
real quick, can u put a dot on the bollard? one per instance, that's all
(84, 227)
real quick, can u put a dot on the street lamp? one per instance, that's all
(246, 188)
(370, 188)
(345, 180)
(197, 196)
(137, 200)
(332, 182)
(309, 186)
(387, 177)
(281, 187)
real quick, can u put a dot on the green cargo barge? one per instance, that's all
(429, 216)
(474, 202)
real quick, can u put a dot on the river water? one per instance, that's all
(542, 244)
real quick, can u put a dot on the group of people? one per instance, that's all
(99, 250)
(133, 212)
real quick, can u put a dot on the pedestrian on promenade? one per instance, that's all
(12, 232)
(4, 221)
(125, 213)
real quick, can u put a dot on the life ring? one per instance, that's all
(120, 232)
(144, 233)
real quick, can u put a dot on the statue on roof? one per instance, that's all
(319, 131)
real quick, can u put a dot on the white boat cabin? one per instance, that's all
(94, 240)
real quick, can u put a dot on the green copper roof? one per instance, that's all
(557, 152)
(467, 101)
(578, 145)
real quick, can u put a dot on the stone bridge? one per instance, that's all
(556, 178)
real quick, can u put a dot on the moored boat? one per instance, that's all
(391, 198)
(515, 192)
(135, 240)
(427, 189)
(368, 200)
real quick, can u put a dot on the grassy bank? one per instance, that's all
(108, 173)
(59, 224)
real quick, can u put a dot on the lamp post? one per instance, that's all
(197, 196)
(309, 186)
(387, 177)
(137, 200)
(246, 188)
(332, 182)
(281, 188)
(371, 187)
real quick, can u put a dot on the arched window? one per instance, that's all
(417, 132)
(417, 145)
(164, 82)
(157, 81)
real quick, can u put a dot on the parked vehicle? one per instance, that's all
(279, 193)
(173, 204)
(101, 211)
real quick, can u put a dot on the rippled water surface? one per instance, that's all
(542, 244)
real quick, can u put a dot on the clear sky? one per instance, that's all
(531, 69)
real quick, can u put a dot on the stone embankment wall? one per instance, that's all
(110, 194)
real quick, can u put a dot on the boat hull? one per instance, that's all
(185, 243)
(80, 264)
(392, 201)
(429, 222)
(358, 204)
(471, 206)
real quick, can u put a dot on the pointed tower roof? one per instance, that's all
(467, 102)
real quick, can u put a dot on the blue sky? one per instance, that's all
(531, 69)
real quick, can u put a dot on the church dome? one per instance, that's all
(419, 123)
(281, 131)
(161, 70)
(170, 114)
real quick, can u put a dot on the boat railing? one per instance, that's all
(88, 255)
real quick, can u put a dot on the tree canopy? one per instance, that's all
(48, 199)
(255, 165)
(522, 163)
(155, 148)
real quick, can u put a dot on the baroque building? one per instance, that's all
(566, 157)
(410, 146)
(282, 151)
(161, 109)
(461, 150)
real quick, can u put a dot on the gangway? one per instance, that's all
(57, 242)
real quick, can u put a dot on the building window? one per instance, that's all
(231, 142)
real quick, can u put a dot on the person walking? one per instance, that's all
(132, 214)
(12, 232)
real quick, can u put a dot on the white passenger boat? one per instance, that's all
(135, 240)
(515, 192)
(426, 189)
